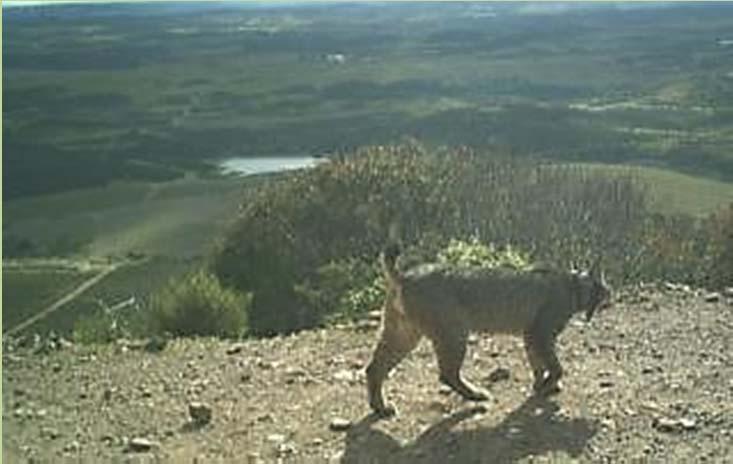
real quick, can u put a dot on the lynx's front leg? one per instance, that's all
(545, 349)
(535, 361)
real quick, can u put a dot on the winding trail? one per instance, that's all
(84, 286)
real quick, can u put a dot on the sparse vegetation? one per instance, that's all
(305, 245)
(474, 253)
(497, 134)
(197, 305)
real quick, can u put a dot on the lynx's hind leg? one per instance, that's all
(450, 348)
(397, 340)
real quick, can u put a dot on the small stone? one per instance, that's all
(276, 438)
(668, 425)
(64, 343)
(344, 376)
(376, 315)
(336, 457)
(284, 449)
(294, 372)
(267, 417)
(266, 365)
(56, 367)
(366, 325)
(728, 292)
(688, 423)
(444, 390)
(234, 349)
(339, 425)
(72, 447)
(499, 374)
(712, 297)
(605, 384)
(155, 344)
(671, 286)
(140, 445)
(50, 433)
(200, 413)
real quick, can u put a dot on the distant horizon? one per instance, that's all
(621, 4)
(27, 3)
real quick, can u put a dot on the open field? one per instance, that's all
(173, 223)
(176, 218)
(27, 292)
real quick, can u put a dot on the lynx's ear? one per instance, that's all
(574, 268)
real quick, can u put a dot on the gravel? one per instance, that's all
(648, 380)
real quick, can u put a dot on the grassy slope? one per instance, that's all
(176, 218)
(26, 292)
(174, 222)
(676, 193)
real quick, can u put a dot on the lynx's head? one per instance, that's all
(595, 293)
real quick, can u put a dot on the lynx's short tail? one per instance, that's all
(389, 265)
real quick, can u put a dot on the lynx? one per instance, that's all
(445, 303)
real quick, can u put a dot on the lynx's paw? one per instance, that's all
(385, 411)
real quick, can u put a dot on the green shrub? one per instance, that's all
(99, 327)
(197, 304)
(296, 224)
(475, 253)
(720, 229)
(343, 290)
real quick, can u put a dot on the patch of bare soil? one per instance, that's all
(650, 379)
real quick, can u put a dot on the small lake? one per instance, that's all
(261, 164)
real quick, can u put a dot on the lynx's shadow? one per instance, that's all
(531, 429)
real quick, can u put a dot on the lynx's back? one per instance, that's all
(501, 300)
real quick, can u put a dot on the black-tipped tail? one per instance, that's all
(389, 262)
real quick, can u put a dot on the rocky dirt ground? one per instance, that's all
(649, 380)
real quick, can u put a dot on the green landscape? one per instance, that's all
(117, 116)
(197, 195)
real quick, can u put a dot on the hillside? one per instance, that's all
(648, 379)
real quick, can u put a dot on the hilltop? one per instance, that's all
(648, 379)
